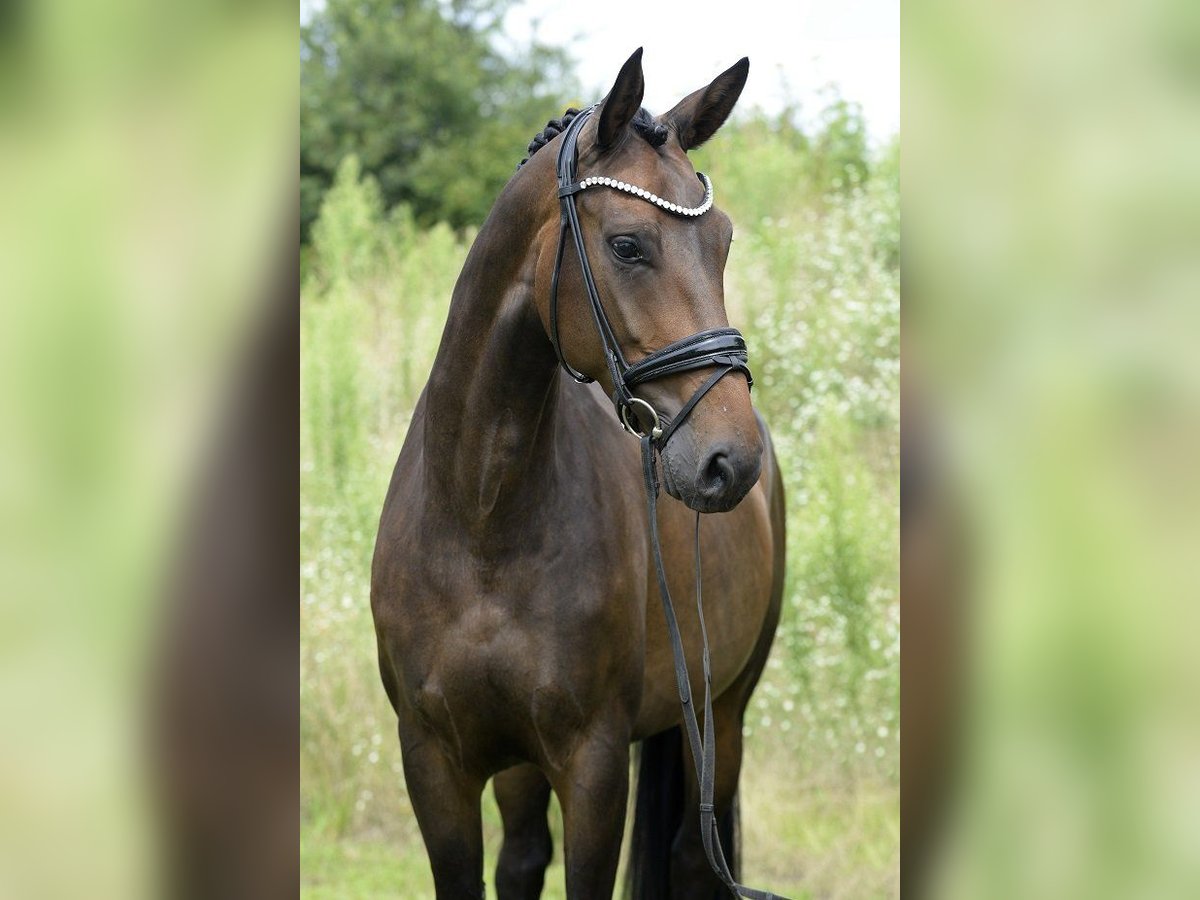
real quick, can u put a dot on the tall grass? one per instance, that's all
(813, 281)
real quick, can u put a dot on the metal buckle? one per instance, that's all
(655, 430)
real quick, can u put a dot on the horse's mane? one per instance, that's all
(643, 123)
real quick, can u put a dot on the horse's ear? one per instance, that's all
(697, 116)
(622, 102)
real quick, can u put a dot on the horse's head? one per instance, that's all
(659, 276)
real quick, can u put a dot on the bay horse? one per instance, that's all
(513, 586)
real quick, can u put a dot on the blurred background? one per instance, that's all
(414, 115)
(1051, 320)
(147, 233)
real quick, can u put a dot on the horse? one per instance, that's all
(512, 586)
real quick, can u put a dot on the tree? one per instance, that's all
(419, 92)
(839, 147)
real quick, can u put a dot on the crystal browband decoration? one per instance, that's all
(602, 181)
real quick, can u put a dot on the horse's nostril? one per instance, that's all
(718, 474)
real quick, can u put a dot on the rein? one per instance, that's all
(722, 349)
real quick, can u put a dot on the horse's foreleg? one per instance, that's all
(446, 802)
(593, 789)
(522, 794)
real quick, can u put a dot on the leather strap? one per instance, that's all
(717, 346)
(703, 748)
(570, 223)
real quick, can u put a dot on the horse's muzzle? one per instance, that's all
(715, 480)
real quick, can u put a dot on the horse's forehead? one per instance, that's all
(648, 167)
(664, 170)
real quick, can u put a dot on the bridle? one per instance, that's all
(722, 349)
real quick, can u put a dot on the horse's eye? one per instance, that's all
(626, 248)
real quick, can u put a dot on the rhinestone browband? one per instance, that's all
(601, 181)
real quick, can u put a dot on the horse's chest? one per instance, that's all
(521, 655)
(515, 628)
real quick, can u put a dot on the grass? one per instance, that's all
(813, 281)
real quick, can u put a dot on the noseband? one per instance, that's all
(722, 349)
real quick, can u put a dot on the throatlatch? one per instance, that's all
(722, 349)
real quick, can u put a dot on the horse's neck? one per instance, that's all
(492, 393)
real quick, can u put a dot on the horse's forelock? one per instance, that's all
(643, 123)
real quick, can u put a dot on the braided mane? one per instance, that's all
(643, 123)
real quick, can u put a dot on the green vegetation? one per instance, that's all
(813, 281)
(417, 90)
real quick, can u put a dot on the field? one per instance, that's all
(813, 282)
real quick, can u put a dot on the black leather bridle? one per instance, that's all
(722, 349)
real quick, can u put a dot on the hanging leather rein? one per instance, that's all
(721, 349)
